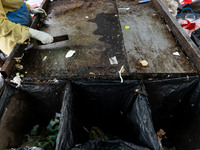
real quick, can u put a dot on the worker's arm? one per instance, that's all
(37, 10)
(18, 33)
(8, 29)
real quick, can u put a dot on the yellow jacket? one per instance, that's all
(11, 33)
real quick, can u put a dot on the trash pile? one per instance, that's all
(187, 16)
(43, 137)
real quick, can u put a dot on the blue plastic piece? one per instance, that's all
(143, 1)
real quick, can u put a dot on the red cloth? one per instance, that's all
(189, 25)
(186, 2)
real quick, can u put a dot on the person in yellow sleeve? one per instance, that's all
(15, 20)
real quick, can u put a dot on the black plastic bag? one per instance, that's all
(47, 98)
(196, 37)
(99, 144)
(122, 109)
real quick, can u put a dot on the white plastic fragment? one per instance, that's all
(17, 80)
(45, 57)
(86, 17)
(113, 60)
(124, 8)
(55, 80)
(58, 115)
(120, 74)
(176, 54)
(70, 53)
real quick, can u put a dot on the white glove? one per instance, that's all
(38, 11)
(44, 37)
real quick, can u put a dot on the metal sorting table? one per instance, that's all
(96, 31)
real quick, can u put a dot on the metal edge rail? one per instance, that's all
(19, 48)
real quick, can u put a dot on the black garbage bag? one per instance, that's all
(100, 144)
(174, 105)
(196, 37)
(120, 109)
(32, 104)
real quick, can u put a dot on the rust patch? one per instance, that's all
(65, 6)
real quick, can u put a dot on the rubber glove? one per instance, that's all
(38, 11)
(44, 37)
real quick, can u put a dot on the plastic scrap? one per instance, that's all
(120, 73)
(176, 54)
(124, 8)
(45, 57)
(183, 2)
(127, 27)
(143, 1)
(17, 80)
(113, 60)
(70, 53)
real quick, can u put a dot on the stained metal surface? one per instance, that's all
(96, 33)
(150, 39)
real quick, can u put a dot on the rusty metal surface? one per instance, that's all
(95, 33)
(149, 39)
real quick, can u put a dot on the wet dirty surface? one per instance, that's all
(149, 39)
(95, 34)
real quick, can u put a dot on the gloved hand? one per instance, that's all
(44, 37)
(38, 11)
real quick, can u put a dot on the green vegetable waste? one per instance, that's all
(43, 137)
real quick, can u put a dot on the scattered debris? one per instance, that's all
(55, 80)
(160, 133)
(45, 57)
(144, 63)
(121, 71)
(58, 115)
(70, 53)
(92, 73)
(18, 66)
(172, 6)
(44, 137)
(143, 1)
(188, 78)
(127, 27)
(17, 80)
(22, 75)
(176, 54)
(113, 60)
(19, 58)
(124, 8)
